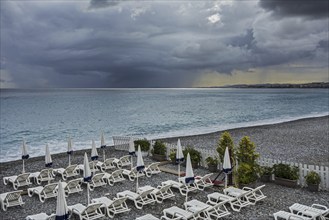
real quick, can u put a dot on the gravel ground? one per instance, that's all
(292, 138)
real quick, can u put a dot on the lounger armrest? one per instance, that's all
(318, 206)
(247, 188)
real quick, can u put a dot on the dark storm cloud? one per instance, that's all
(314, 9)
(153, 44)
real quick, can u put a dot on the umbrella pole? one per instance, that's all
(88, 196)
(137, 183)
(131, 162)
(23, 167)
(69, 159)
(178, 171)
(104, 155)
(225, 186)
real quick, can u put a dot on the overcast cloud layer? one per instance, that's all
(104, 43)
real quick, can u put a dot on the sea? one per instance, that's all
(51, 116)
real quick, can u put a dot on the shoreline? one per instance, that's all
(209, 140)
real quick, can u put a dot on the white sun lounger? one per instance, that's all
(72, 186)
(140, 199)
(162, 192)
(253, 196)
(204, 181)
(147, 217)
(69, 171)
(41, 216)
(211, 212)
(92, 165)
(44, 192)
(236, 202)
(18, 181)
(288, 216)
(97, 181)
(106, 165)
(183, 188)
(152, 169)
(112, 207)
(122, 161)
(115, 177)
(132, 174)
(175, 212)
(10, 199)
(92, 211)
(45, 175)
(314, 211)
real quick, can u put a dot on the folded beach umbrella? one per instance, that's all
(103, 145)
(86, 174)
(69, 149)
(62, 212)
(226, 164)
(140, 164)
(25, 155)
(48, 161)
(131, 150)
(94, 154)
(189, 175)
(179, 156)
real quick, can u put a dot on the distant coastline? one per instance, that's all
(312, 85)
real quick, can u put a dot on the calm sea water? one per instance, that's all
(50, 116)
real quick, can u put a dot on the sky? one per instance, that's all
(119, 44)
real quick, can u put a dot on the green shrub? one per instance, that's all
(246, 174)
(212, 160)
(225, 141)
(312, 178)
(264, 170)
(194, 154)
(145, 145)
(159, 148)
(286, 171)
(172, 156)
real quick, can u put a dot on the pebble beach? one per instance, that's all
(303, 141)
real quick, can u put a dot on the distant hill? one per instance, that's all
(279, 85)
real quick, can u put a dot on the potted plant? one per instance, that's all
(286, 175)
(266, 173)
(159, 151)
(212, 163)
(246, 175)
(313, 180)
(145, 146)
(172, 157)
(194, 154)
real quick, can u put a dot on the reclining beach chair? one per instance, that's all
(253, 196)
(162, 192)
(97, 181)
(10, 199)
(314, 211)
(45, 175)
(147, 217)
(69, 171)
(41, 216)
(210, 212)
(181, 186)
(175, 212)
(204, 181)
(115, 177)
(106, 165)
(140, 199)
(18, 181)
(73, 186)
(132, 174)
(288, 216)
(44, 192)
(92, 165)
(123, 161)
(92, 211)
(236, 202)
(112, 207)
(152, 169)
